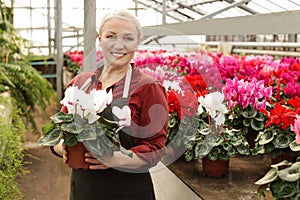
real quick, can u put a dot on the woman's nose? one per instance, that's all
(119, 43)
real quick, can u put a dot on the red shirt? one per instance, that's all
(147, 97)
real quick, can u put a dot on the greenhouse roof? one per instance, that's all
(183, 10)
(35, 19)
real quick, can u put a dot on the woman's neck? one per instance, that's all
(111, 75)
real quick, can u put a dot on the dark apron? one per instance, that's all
(112, 184)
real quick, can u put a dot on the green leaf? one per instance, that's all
(283, 190)
(249, 112)
(281, 164)
(88, 133)
(282, 141)
(48, 127)
(189, 155)
(51, 138)
(72, 127)
(212, 156)
(246, 122)
(270, 176)
(204, 149)
(232, 152)
(224, 156)
(236, 141)
(96, 147)
(243, 148)
(294, 146)
(258, 150)
(291, 173)
(257, 125)
(61, 117)
(260, 117)
(212, 139)
(227, 146)
(70, 140)
(265, 137)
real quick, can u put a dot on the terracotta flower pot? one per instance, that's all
(76, 156)
(217, 168)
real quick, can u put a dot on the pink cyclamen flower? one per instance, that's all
(296, 128)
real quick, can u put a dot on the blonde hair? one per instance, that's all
(122, 14)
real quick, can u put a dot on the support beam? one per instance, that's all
(90, 35)
(274, 23)
(59, 52)
(49, 28)
(224, 9)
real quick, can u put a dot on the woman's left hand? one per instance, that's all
(94, 162)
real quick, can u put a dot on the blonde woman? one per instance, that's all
(122, 177)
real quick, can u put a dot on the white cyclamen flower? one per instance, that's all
(72, 99)
(86, 105)
(213, 103)
(124, 115)
(98, 100)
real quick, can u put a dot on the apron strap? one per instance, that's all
(86, 84)
(127, 83)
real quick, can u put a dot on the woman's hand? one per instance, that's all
(94, 163)
(64, 153)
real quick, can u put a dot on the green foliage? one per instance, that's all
(248, 120)
(27, 87)
(11, 155)
(11, 44)
(275, 141)
(99, 137)
(283, 180)
(220, 143)
(71, 65)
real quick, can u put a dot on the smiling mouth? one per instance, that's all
(118, 54)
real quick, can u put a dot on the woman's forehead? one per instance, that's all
(119, 25)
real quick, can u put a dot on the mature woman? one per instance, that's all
(122, 177)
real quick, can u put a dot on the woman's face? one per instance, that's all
(119, 40)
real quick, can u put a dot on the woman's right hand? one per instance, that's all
(64, 153)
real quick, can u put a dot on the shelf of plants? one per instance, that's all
(226, 106)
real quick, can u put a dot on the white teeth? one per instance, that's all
(118, 54)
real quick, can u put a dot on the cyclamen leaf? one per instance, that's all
(70, 140)
(270, 176)
(48, 127)
(61, 117)
(51, 138)
(291, 173)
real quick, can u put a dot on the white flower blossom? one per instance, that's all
(213, 103)
(86, 105)
(124, 115)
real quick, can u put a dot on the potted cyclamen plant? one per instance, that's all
(278, 138)
(244, 100)
(282, 181)
(214, 144)
(82, 128)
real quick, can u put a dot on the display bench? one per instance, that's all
(238, 184)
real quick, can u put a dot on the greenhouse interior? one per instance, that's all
(228, 73)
